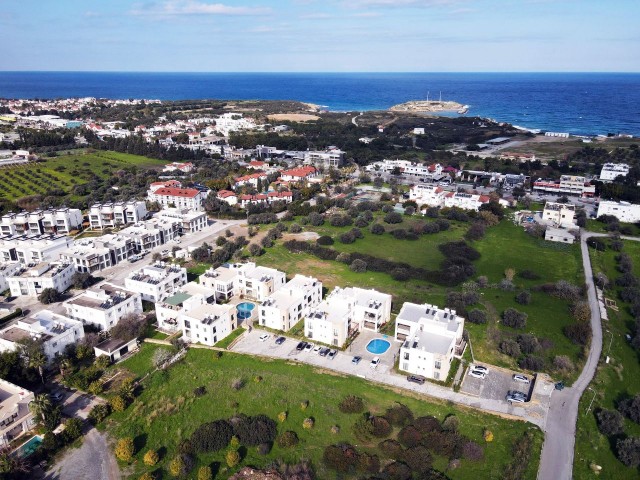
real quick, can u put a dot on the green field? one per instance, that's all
(65, 172)
(167, 412)
(612, 381)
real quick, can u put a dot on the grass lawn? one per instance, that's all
(167, 412)
(226, 341)
(66, 171)
(612, 381)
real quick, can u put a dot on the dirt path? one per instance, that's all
(92, 461)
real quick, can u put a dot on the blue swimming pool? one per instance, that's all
(244, 310)
(378, 346)
(29, 447)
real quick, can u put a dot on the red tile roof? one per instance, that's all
(300, 172)
(178, 192)
(484, 198)
(246, 178)
(225, 194)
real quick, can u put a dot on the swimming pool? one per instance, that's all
(29, 447)
(244, 310)
(378, 346)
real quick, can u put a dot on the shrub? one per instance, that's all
(304, 405)
(630, 407)
(205, 473)
(509, 347)
(347, 238)
(566, 291)
(252, 431)
(528, 343)
(531, 362)
(514, 319)
(160, 356)
(49, 295)
(72, 429)
(488, 436)
(427, 424)
(381, 427)
(418, 459)
(361, 222)
(147, 476)
(237, 383)
(629, 451)
(282, 416)
(563, 363)
(393, 217)
(399, 415)
(581, 311)
(610, 422)
(288, 439)
(232, 458)
(308, 423)
(390, 448)
(264, 449)
(99, 413)
(579, 333)
(295, 228)
(450, 424)
(125, 449)
(151, 458)
(234, 443)
(472, 451)
(529, 275)
(409, 436)
(199, 391)
(211, 436)
(377, 229)
(399, 233)
(396, 471)
(255, 250)
(351, 404)
(368, 463)
(325, 240)
(342, 458)
(358, 266)
(335, 429)
(477, 316)
(523, 298)
(476, 231)
(118, 404)
(363, 429)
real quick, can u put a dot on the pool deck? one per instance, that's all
(359, 347)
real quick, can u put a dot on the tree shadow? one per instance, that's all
(140, 441)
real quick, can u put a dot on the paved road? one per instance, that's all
(560, 428)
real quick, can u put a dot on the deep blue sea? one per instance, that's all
(578, 103)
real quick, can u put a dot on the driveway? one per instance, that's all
(495, 385)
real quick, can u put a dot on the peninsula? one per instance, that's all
(428, 106)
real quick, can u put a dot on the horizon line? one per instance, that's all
(330, 72)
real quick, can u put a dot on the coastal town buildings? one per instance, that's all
(115, 214)
(156, 282)
(169, 311)
(188, 221)
(611, 171)
(291, 303)
(623, 211)
(332, 157)
(34, 248)
(265, 198)
(566, 185)
(243, 279)
(91, 255)
(227, 196)
(559, 214)
(32, 281)
(184, 167)
(16, 417)
(171, 197)
(59, 221)
(562, 235)
(8, 269)
(115, 348)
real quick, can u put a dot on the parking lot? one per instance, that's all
(495, 385)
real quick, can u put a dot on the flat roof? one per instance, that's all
(177, 298)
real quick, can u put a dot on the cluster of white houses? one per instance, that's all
(436, 196)
(566, 185)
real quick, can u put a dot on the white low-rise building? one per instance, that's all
(16, 417)
(208, 323)
(246, 280)
(184, 167)
(431, 337)
(171, 197)
(7, 270)
(53, 330)
(562, 235)
(156, 282)
(31, 281)
(94, 254)
(559, 214)
(150, 234)
(115, 348)
(56, 221)
(568, 184)
(227, 196)
(189, 221)
(330, 158)
(291, 303)
(109, 215)
(430, 195)
(103, 305)
(187, 297)
(611, 171)
(33, 248)
(624, 211)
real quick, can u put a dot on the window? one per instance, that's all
(406, 356)
(437, 364)
(187, 324)
(436, 375)
(405, 366)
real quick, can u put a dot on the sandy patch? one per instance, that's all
(294, 117)
(304, 236)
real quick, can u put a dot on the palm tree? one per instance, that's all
(40, 406)
(38, 360)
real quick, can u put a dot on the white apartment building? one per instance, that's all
(291, 303)
(184, 167)
(466, 201)
(59, 221)
(611, 171)
(246, 280)
(8, 270)
(208, 323)
(94, 254)
(332, 157)
(16, 417)
(251, 179)
(344, 313)
(156, 282)
(103, 305)
(431, 337)
(430, 195)
(109, 215)
(189, 221)
(33, 280)
(227, 196)
(559, 214)
(55, 331)
(300, 174)
(171, 197)
(387, 165)
(33, 248)
(151, 233)
(233, 122)
(265, 198)
(568, 184)
(169, 311)
(624, 211)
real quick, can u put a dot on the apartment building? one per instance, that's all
(94, 254)
(430, 195)
(156, 282)
(300, 174)
(184, 167)
(116, 214)
(624, 211)
(31, 281)
(188, 221)
(567, 185)
(431, 337)
(56, 221)
(291, 303)
(251, 179)
(559, 214)
(171, 197)
(243, 279)
(16, 417)
(208, 323)
(227, 196)
(103, 305)
(187, 297)
(33, 248)
(53, 330)
(330, 158)
(8, 270)
(265, 198)
(611, 171)
(151, 233)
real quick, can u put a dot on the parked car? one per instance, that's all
(419, 379)
(356, 360)
(317, 349)
(301, 346)
(56, 396)
(178, 240)
(515, 399)
(521, 378)
(477, 374)
(263, 337)
(480, 368)
(280, 340)
(134, 258)
(332, 354)
(323, 352)
(164, 252)
(375, 362)
(308, 347)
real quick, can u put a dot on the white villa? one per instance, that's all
(559, 214)
(187, 297)
(431, 338)
(16, 417)
(611, 171)
(291, 303)
(156, 282)
(208, 323)
(243, 279)
(32, 281)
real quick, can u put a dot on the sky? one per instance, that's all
(321, 35)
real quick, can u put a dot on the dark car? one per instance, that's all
(419, 379)
(301, 346)
(324, 352)
(356, 360)
(280, 340)
(56, 396)
(332, 354)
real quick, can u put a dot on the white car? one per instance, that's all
(317, 349)
(477, 374)
(264, 336)
(521, 378)
(480, 368)
(375, 362)
(308, 347)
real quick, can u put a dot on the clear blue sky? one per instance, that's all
(320, 35)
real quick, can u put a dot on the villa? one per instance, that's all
(170, 310)
(291, 303)
(15, 416)
(243, 279)
(32, 281)
(156, 282)
(559, 214)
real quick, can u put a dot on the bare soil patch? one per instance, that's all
(294, 117)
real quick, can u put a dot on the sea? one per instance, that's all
(576, 103)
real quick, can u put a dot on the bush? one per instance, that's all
(351, 404)
(232, 458)
(393, 217)
(347, 238)
(581, 311)
(488, 436)
(205, 473)
(523, 298)
(72, 429)
(450, 424)
(361, 222)
(610, 422)
(381, 427)
(255, 250)
(472, 451)
(531, 362)
(211, 436)
(342, 458)
(358, 266)
(118, 404)
(368, 463)
(252, 431)
(282, 416)
(325, 240)
(396, 471)
(528, 343)
(288, 439)
(377, 229)
(399, 415)
(390, 448)
(510, 347)
(579, 333)
(418, 459)
(514, 319)
(264, 449)
(529, 275)
(629, 451)
(125, 449)
(477, 316)
(427, 424)
(237, 383)
(199, 391)
(295, 228)
(409, 436)
(147, 476)
(340, 220)
(49, 295)
(630, 407)
(308, 423)
(151, 458)
(476, 231)
(99, 413)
